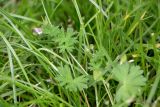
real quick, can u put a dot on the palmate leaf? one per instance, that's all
(66, 40)
(66, 80)
(51, 30)
(130, 80)
(97, 60)
(79, 83)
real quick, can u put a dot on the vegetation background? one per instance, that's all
(79, 53)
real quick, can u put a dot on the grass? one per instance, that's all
(92, 53)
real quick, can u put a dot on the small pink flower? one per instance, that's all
(37, 31)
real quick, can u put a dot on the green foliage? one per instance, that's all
(97, 64)
(97, 75)
(130, 80)
(65, 40)
(66, 80)
(97, 60)
(51, 30)
(5, 104)
(126, 29)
